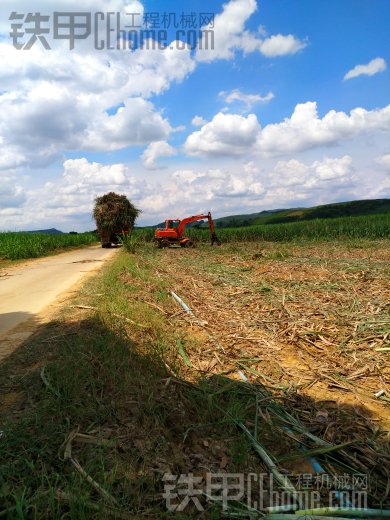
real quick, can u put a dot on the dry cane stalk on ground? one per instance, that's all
(301, 324)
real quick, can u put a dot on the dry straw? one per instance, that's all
(113, 212)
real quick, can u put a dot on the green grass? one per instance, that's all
(129, 243)
(369, 227)
(18, 246)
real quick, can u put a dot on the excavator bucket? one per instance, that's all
(215, 239)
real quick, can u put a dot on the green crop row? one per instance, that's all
(368, 227)
(16, 246)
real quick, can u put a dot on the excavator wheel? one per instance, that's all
(189, 243)
(165, 243)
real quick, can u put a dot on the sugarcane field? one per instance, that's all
(195, 260)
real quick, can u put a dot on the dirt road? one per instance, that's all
(25, 290)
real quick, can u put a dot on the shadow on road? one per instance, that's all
(9, 320)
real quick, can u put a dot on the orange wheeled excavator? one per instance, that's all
(173, 230)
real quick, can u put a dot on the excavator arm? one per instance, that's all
(214, 238)
(194, 218)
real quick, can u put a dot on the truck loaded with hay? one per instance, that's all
(114, 215)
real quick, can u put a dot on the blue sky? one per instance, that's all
(280, 119)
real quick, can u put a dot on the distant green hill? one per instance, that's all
(51, 231)
(354, 208)
(246, 219)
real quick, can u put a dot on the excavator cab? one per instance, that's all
(173, 224)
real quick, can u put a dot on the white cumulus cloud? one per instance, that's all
(198, 121)
(296, 176)
(230, 35)
(250, 167)
(185, 176)
(96, 100)
(225, 135)
(59, 100)
(12, 194)
(383, 161)
(330, 169)
(288, 180)
(80, 172)
(232, 135)
(154, 151)
(217, 183)
(376, 65)
(69, 198)
(279, 45)
(66, 201)
(248, 99)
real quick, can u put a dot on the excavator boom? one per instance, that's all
(194, 219)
